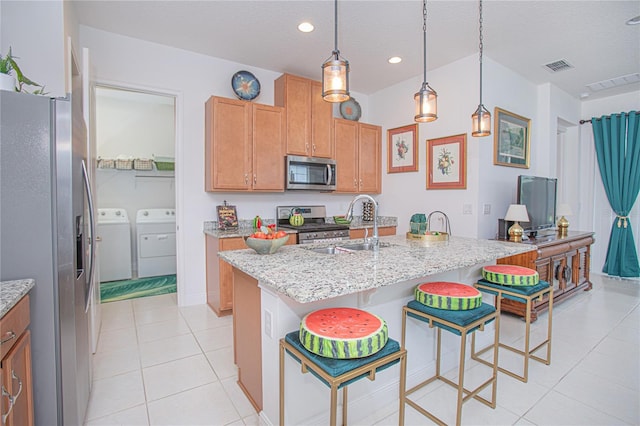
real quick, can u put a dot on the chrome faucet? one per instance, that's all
(349, 216)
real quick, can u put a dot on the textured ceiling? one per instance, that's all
(521, 35)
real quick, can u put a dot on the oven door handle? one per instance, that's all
(329, 174)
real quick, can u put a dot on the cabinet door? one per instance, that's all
(268, 148)
(226, 271)
(16, 379)
(321, 123)
(370, 161)
(294, 94)
(227, 144)
(346, 142)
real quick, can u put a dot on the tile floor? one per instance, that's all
(158, 364)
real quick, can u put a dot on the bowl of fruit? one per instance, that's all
(267, 240)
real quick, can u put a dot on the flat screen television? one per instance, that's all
(539, 195)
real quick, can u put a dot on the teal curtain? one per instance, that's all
(617, 141)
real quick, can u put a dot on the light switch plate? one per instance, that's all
(467, 209)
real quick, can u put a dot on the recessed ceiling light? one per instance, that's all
(306, 27)
(634, 21)
(395, 60)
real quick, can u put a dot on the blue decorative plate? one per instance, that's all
(245, 85)
(350, 109)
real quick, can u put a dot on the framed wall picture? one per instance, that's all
(402, 152)
(447, 162)
(511, 139)
(227, 217)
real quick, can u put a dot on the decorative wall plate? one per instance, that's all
(245, 85)
(350, 109)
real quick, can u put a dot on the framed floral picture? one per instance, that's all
(511, 140)
(403, 149)
(447, 162)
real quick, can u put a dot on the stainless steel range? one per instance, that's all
(315, 228)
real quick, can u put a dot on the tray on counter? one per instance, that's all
(442, 236)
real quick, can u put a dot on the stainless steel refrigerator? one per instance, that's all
(46, 234)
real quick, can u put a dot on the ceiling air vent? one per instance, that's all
(558, 66)
(614, 82)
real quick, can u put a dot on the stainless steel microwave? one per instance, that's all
(310, 173)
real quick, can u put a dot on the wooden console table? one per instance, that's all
(562, 261)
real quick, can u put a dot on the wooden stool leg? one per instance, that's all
(344, 405)
(403, 387)
(281, 384)
(463, 343)
(334, 403)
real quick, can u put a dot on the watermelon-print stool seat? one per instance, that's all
(511, 275)
(340, 346)
(461, 322)
(527, 295)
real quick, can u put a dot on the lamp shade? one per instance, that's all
(517, 213)
(564, 209)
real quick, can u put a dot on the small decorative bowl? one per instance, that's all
(264, 246)
(341, 220)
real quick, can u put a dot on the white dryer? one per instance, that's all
(114, 233)
(156, 238)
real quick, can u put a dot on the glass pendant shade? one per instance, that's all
(335, 81)
(426, 101)
(481, 125)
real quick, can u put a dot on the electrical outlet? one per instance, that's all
(268, 323)
(467, 209)
(486, 208)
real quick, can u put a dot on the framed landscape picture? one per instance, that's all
(511, 139)
(402, 151)
(447, 162)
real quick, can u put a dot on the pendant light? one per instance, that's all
(481, 119)
(426, 99)
(335, 72)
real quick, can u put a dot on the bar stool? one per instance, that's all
(470, 316)
(523, 290)
(338, 363)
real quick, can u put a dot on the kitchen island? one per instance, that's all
(272, 293)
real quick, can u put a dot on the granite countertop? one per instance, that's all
(11, 292)
(245, 227)
(307, 276)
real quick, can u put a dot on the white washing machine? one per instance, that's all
(114, 232)
(156, 238)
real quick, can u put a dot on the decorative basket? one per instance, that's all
(106, 163)
(143, 164)
(165, 163)
(124, 163)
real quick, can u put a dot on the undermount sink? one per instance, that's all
(343, 249)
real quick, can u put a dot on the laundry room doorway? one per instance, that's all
(136, 192)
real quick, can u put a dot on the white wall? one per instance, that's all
(138, 125)
(457, 85)
(35, 31)
(594, 210)
(192, 78)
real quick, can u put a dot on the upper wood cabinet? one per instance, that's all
(358, 157)
(244, 146)
(309, 118)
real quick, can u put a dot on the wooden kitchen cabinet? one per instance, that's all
(383, 231)
(564, 262)
(358, 157)
(309, 119)
(244, 146)
(220, 274)
(15, 366)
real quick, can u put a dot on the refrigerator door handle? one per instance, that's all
(92, 228)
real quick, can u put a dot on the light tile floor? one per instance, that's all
(158, 364)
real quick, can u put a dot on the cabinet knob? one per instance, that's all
(255, 179)
(246, 179)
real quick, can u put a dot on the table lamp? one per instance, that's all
(516, 213)
(564, 209)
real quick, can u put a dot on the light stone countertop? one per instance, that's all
(11, 292)
(306, 276)
(245, 227)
